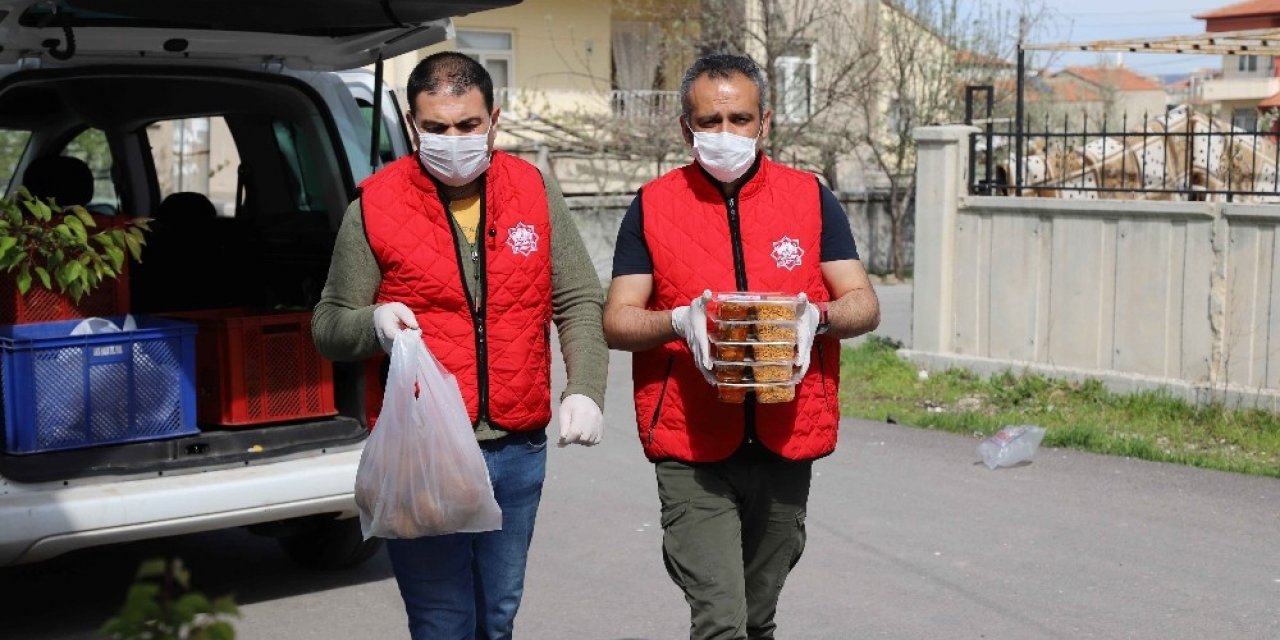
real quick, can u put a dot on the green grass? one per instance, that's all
(878, 385)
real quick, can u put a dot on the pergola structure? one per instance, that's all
(1222, 43)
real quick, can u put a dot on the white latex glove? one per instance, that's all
(581, 421)
(690, 323)
(806, 329)
(389, 319)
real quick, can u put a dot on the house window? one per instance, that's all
(794, 77)
(1247, 63)
(1245, 119)
(493, 49)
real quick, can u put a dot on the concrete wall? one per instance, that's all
(1184, 296)
(598, 219)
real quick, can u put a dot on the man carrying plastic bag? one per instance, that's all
(476, 249)
(421, 472)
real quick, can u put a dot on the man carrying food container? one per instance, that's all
(734, 279)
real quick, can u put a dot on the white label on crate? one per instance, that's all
(113, 350)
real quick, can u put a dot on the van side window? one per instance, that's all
(13, 143)
(300, 155)
(91, 146)
(385, 150)
(196, 154)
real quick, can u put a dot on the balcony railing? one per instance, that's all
(644, 104)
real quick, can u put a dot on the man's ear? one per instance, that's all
(493, 126)
(766, 123)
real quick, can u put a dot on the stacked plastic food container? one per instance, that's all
(753, 346)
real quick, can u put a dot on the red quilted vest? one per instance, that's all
(500, 352)
(689, 230)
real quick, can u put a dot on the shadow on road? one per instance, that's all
(72, 595)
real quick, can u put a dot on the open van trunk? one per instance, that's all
(223, 120)
(252, 228)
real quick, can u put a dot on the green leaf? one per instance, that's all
(74, 271)
(142, 223)
(180, 573)
(189, 605)
(77, 227)
(83, 215)
(151, 568)
(65, 231)
(220, 630)
(44, 278)
(39, 210)
(24, 280)
(226, 605)
(6, 244)
(135, 247)
(116, 255)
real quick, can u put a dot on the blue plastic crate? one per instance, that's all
(68, 392)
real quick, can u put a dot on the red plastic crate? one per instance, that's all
(111, 298)
(258, 367)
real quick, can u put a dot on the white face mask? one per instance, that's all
(726, 156)
(454, 160)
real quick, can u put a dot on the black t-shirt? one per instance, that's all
(631, 255)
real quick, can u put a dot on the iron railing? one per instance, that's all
(1182, 154)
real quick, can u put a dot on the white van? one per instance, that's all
(110, 82)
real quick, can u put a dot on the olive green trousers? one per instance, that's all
(732, 531)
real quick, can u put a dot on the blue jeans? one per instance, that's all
(467, 586)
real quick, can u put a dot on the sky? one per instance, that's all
(1088, 20)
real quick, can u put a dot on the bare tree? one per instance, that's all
(817, 55)
(927, 51)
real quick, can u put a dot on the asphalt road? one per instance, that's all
(909, 537)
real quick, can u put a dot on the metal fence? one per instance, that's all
(1182, 154)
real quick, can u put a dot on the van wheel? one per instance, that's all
(333, 544)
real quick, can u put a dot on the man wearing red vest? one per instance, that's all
(474, 248)
(733, 479)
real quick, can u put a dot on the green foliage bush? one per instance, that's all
(61, 249)
(160, 605)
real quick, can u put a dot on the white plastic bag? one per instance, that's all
(422, 472)
(90, 326)
(1010, 446)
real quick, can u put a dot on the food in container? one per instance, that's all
(773, 352)
(730, 373)
(776, 331)
(772, 372)
(733, 331)
(754, 341)
(773, 393)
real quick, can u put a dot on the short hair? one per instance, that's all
(449, 73)
(721, 65)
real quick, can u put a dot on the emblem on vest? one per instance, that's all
(787, 253)
(522, 238)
